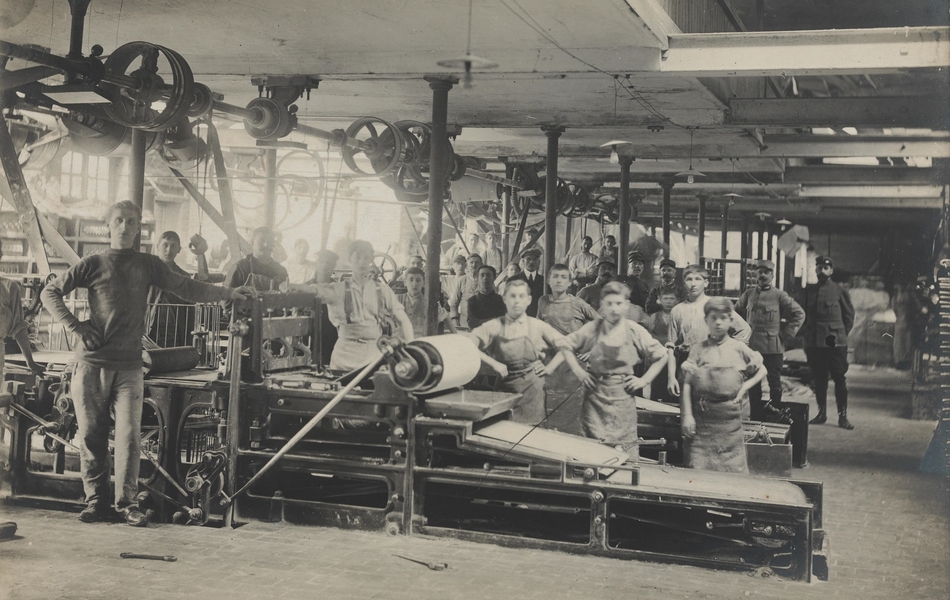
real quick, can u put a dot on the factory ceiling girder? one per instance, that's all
(350, 47)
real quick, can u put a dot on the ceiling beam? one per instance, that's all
(890, 111)
(865, 175)
(871, 191)
(799, 53)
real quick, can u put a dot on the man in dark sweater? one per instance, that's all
(259, 270)
(108, 373)
(486, 304)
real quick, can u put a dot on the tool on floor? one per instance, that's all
(434, 566)
(148, 556)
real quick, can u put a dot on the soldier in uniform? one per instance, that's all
(775, 318)
(829, 317)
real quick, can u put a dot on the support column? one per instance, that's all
(724, 244)
(746, 246)
(667, 200)
(550, 197)
(761, 242)
(506, 199)
(438, 171)
(768, 245)
(137, 174)
(624, 233)
(270, 187)
(702, 227)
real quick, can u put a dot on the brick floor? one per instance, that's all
(887, 525)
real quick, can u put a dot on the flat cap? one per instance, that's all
(765, 264)
(533, 252)
(668, 262)
(635, 255)
(824, 261)
(607, 261)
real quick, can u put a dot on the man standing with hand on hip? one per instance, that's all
(108, 374)
(764, 308)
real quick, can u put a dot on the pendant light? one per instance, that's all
(690, 174)
(469, 61)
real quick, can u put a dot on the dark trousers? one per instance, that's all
(773, 365)
(833, 362)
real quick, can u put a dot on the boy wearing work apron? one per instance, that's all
(718, 373)
(615, 345)
(514, 345)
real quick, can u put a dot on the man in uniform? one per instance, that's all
(765, 308)
(829, 317)
(532, 262)
(583, 266)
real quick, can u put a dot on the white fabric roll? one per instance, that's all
(460, 359)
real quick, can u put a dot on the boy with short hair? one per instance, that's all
(658, 324)
(565, 312)
(615, 345)
(717, 375)
(485, 304)
(414, 302)
(513, 346)
(688, 325)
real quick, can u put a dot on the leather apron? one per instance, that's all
(718, 444)
(609, 412)
(518, 354)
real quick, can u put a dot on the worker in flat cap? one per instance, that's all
(638, 289)
(829, 317)
(667, 282)
(531, 258)
(775, 318)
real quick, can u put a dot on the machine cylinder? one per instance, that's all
(436, 363)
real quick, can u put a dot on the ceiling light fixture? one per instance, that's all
(690, 174)
(469, 61)
(614, 157)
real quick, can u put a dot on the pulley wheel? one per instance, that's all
(202, 103)
(272, 120)
(163, 91)
(382, 147)
(385, 265)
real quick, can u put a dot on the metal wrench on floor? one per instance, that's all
(434, 566)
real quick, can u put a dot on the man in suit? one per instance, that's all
(531, 274)
(829, 317)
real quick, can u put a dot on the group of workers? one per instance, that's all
(616, 337)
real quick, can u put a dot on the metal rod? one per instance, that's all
(760, 249)
(164, 473)
(438, 171)
(667, 199)
(311, 424)
(415, 232)
(486, 176)
(550, 197)
(65, 65)
(744, 250)
(21, 198)
(624, 218)
(702, 226)
(236, 111)
(137, 172)
(506, 199)
(224, 192)
(43, 424)
(723, 249)
(77, 12)
(270, 187)
(336, 137)
(207, 207)
(524, 221)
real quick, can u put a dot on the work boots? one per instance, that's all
(95, 511)
(820, 418)
(843, 421)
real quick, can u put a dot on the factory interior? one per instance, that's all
(515, 298)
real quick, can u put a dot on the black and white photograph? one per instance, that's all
(452, 299)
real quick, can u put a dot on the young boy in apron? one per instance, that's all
(615, 345)
(514, 346)
(717, 374)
